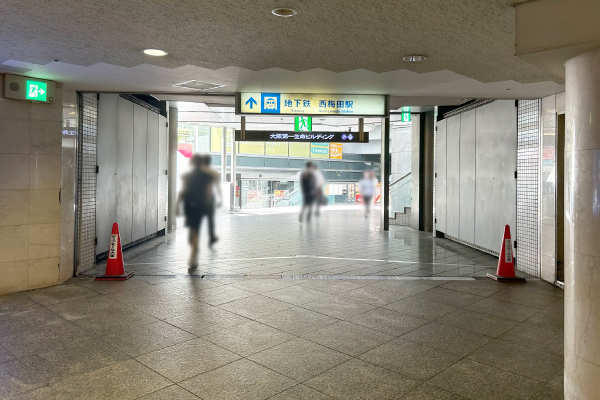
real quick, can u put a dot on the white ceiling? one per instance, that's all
(344, 46)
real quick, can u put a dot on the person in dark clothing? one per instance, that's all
(198, 197)
(308, 185)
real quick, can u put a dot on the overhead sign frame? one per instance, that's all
(312, 104)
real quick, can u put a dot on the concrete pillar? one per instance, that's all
(385, 174)
(233, 170)
(422, 171)
(416, 147)
(426, 178)
(224, 155)
(582, 227)
(173, 122)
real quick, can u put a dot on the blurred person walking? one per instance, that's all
(310, 193)
(198, 196)
(368, 187)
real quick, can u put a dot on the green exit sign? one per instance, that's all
(406, 117)
(303, 124)
(36, 90)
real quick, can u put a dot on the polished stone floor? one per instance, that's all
(249, 326)
(339, 242)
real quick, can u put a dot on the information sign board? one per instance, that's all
(312, 137)
(335, 151)
(311, 104)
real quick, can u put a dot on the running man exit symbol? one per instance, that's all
(251, 102)
(303, 124)
(36, 90)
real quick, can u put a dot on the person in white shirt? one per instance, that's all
(368, 188)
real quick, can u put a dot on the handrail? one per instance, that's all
(288, 197)
(399, 179)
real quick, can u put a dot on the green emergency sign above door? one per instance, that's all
(36, 90)
(26, 88)
(303, 124)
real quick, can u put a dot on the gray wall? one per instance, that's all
(131, 179)
(415, 174)
(422, 171)
(475, 185)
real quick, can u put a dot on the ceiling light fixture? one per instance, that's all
(414, 58)
(155, 52)
(284, 12)
(198, 85)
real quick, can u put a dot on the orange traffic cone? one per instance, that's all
(506, 262)
(115, 270)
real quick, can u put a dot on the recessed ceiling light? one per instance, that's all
(155, 52)
(198, 85)
(284, 12)
(414, 58)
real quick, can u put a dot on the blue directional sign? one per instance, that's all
(310, 104)
(251, 102)
(269, 103)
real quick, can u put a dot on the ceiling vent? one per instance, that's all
(198, 85)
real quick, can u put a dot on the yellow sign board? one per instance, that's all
(335, 151)
(276, 149)
(311, 104)
(216, 135)
(319, 150)
(299, 149)
(251, 148)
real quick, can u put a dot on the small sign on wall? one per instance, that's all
(25, 88)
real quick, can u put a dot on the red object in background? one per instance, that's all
(506, 261)
(186, 149)
(115, 269)
(358, 198)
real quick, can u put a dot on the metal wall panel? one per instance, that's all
(124, 168)
(440, 180)
(162, 176)
(139, 177)
(106, 184)
(453, 137)
(152, 175)
(495, 190)
(467, 177)
(505, 182)
(528, 181)
(484, 178)
(87, 135)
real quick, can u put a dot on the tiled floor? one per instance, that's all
(340, 242)
(167, 335)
